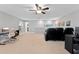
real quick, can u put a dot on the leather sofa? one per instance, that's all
(57, 33)
(50, 34)
(54, 34)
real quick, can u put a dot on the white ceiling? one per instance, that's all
(21, 11)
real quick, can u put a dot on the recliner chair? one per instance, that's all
(68, 31)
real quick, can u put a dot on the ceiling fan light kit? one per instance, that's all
(38, 11)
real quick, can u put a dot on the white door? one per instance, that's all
(26, 26)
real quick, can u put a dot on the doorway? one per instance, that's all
(26, 26)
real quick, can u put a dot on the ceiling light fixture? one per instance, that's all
(38, 11)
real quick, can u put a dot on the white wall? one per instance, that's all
(8, 21)
(38, 26)
(74, 17)
(35, 26)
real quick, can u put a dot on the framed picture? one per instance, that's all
(68, 23)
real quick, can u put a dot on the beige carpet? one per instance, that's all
(32, 43)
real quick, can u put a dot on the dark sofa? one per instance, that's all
(68, 31)
(57, 33)
(51, 34)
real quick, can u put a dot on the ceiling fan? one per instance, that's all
(39, 9)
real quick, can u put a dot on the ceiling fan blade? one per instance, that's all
(43, 12)
(37, 6)
(32, 10)
(45, 8)
(40, 8)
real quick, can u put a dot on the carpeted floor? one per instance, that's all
(32, 43)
